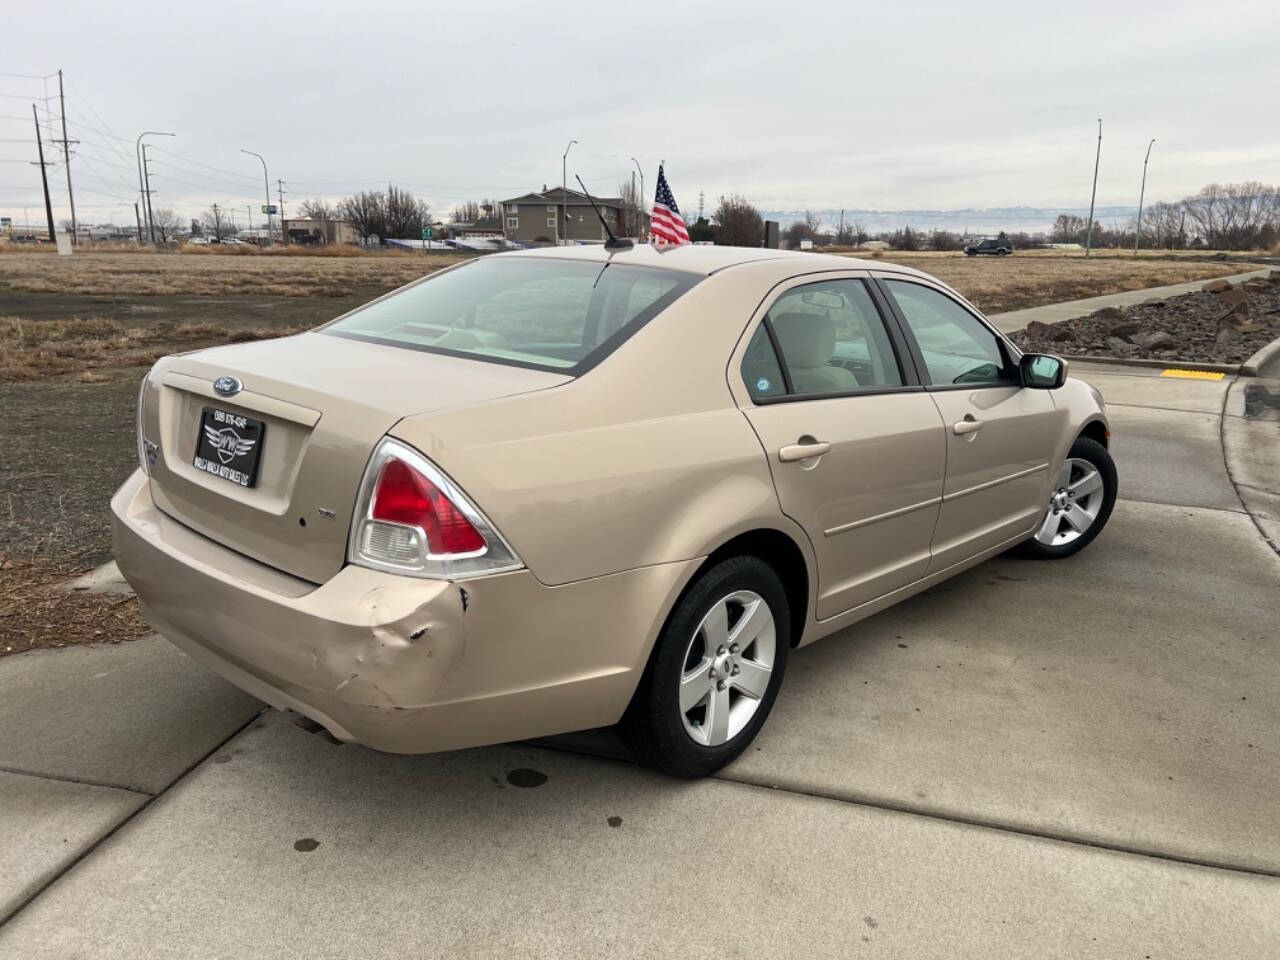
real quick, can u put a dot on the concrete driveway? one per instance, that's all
(1078, 759)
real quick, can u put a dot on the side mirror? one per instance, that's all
(1042, 371)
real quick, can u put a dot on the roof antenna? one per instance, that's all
(613, 243)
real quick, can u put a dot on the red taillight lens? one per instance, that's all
(403, 495)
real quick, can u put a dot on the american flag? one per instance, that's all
(666, 225)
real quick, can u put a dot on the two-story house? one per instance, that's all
(557, 216)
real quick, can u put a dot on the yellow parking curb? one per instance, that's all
(1193, 374)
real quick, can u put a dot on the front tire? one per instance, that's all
(714, 672)
(1080, 503)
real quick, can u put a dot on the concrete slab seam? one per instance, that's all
(37, 775)
(93, 847)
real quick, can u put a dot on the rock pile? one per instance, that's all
(1221, 323)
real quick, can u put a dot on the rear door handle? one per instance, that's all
(967, 425)
(803, 451)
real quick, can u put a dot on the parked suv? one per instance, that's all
(996, 246)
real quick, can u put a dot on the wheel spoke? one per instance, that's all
(749, 626)
(715, 627)
(717, 721)
(1064, 475)
(1091, 482)
(694, 686)
(753, 680)
(1078, 520)
(1049, 528)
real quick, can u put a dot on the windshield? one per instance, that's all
(558, 315)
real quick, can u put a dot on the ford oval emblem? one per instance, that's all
(227, 386)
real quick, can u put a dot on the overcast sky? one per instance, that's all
(796, 104)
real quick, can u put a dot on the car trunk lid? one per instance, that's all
(323, 403)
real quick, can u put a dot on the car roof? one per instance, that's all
(705, 260)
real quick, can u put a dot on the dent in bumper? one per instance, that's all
(398, 663)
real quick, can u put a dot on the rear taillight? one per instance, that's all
(146, 449)
(411, 518)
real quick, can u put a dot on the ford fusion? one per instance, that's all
(559, 489)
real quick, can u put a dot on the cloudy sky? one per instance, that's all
(888, 105)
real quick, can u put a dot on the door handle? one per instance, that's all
(803, 451)
(968, 425)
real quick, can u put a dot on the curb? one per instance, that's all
(1266, 355)
(1229, 368)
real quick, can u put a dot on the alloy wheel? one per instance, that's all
(727, 668)
(1074, 503)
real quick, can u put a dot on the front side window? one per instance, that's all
(957, 347)
(557, 315)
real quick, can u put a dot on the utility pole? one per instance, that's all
(1088, 240)
(1137, 234)
(249, 207)
(44, 175)
(138, 217)
(642, 201)
(217, 224)
(702, 199)
(284, 234)
(146, 179)
(266, 186)
(66, 153)
(564, 193)
(137, 152)
(839, 233)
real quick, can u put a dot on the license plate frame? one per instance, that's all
(229, 446)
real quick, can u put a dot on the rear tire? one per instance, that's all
(714, 672)
(1080, 504)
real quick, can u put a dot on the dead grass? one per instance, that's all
(260, 274)
(998, 284)
(37, 611)
(89, 348)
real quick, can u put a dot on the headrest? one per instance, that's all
(807, 339)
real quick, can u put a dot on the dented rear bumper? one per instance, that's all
(400, 664)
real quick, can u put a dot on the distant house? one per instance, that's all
(482, 229)
(558, 216)
(318, 233)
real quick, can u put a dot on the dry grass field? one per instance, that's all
(999, 284)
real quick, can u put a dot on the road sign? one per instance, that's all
(268, 209)
(427, 233)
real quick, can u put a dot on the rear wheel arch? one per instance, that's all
(784, 556)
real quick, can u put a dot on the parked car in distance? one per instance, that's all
(198, 241)
(559, 489)
(1000, 246)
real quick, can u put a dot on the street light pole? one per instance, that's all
(564, 191)
(266, 186)
(1088, 240)
(1137, 234)
(638, 167)
(137, 150)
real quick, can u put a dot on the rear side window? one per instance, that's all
(833, 341)
(558, 315)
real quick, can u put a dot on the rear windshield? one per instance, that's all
(558, 315)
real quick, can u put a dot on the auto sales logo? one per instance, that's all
(227, 443)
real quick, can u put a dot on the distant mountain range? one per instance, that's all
(975, 221)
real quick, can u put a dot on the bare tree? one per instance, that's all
(166, 222)
(1235, 216)
(466, 212)
(367, 212)
(944, 240)
(317, 209)
(406, 215)
(739, 224)
(632, 211)
(216, 222)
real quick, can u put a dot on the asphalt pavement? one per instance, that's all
(1072, 759)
